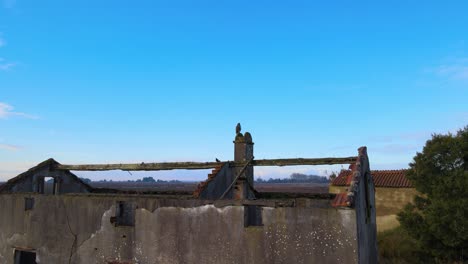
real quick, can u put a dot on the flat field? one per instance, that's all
(191, 186)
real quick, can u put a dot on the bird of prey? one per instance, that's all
(238, 128)
(217, 160)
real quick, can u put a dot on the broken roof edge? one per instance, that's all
(361, 166)
(22, 175)
(52, 166)
(211, 177)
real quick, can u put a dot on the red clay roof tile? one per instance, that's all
(382, 178)
(340, 200)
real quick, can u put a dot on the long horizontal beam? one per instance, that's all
(142, 166)
(204, 165)
(300, 161)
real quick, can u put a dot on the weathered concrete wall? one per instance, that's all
(389, 201)
(78, 229)
(31, 181)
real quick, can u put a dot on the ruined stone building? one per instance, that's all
(225, 221)
(392, 192)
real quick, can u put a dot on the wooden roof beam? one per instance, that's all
(204, 165)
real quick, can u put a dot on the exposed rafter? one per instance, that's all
(204, 165)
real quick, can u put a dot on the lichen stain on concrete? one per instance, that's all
(320, 238)
(179, 234)
(96, 247)
(187, 234)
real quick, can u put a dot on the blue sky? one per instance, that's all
(132, 81)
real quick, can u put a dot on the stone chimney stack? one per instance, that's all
(243, 153)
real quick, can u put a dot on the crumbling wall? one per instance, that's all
(214, 187)
(79, 229)
(33, 180)
(66, 181)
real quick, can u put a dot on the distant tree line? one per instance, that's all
(293, 178)
(145, 179)
(296, 178)
(86, 180)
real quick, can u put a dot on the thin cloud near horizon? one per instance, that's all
(455, 69)
(9, 147)
(6, 111)
(7, 66)
(4, 64)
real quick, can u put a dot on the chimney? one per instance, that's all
(243, 153)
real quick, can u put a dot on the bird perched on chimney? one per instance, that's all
(238, 128)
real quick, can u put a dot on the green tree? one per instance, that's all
(86, 180)
(148, 179)
(438, 217)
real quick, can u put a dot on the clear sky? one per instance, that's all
(132, 81)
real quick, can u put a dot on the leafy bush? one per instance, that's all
(437, 219)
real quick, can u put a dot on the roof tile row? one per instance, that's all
(382, 178)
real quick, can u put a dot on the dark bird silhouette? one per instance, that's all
(238, 128)
(217, 160)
